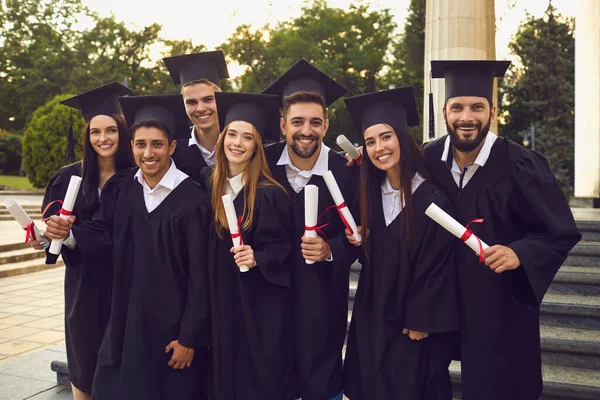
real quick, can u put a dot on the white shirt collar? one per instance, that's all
(484, 153)
(168, 180)
(194, 141)
(386, 186)
(320, 167)
(237, 183)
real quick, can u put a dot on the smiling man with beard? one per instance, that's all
(319, 290)
(526, 221)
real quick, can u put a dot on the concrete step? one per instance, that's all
(590, 230)
(26, 267)
(584, 254)
(36, 217)
(13, 246)
(560, 383)
(569, 310)
(570, 347)
(24, 254)
(577, 280)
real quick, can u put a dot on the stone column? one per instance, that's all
(456, 30)
(587, 100)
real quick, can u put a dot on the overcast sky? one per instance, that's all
(212, 22)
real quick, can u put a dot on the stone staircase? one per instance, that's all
(34, 212)
(569, 323)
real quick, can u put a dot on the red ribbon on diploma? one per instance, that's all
(468, 233)
(239, 234)
(29, 232)
(319, 228)
(358, 161)
(61, 211)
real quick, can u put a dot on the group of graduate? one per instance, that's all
(160, 305)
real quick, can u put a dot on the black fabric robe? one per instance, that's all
(87, 287)
(524, 209)
(319, 290)
(403, 287)
(189, 159)
(252, 343)
(159, 290)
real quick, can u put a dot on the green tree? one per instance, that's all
(45, 140)
(408, 55)
(348, 45)
(10, 153)
(539, 90)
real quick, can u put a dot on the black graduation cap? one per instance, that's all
(305, 77)
(469, 78)
(261, 110)
(192, 67)
(395, 107)
(103, 100)
(165, 108)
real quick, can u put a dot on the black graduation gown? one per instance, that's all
(525, 209)
(87, 287)
(251, 311)
(402, 287)
(319, 290)
(159, 290)
(189, 159)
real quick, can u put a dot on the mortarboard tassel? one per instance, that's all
(431, 112)
(70, 150)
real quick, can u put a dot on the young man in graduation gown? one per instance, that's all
(155, 222)
(319, 290)
(527, 223)
(199, 75)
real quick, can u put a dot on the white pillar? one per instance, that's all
(587, 99)
(456, 30)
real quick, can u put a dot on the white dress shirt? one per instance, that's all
(168, 183)
(299, 178)
(463, 177)
(235, 185)
(391, 199)
(209, 156)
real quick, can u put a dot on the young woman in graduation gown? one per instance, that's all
(405, 312)
(106, 153)
(250, 311)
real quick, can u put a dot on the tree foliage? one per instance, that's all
(45, 140)
(539, 91)
(10, 153)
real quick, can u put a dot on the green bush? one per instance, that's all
(10, 153)
(45, 139)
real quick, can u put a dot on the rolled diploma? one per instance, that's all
(348, 147)
(233, 225)
(68, 204)
(23, 219)
(311, 211)
(453, 226)
(336, 193)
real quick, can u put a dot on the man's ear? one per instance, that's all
(172, 147)
(282, 125)
(444, 112)
(493, 116)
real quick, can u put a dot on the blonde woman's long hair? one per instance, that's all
(256, 168)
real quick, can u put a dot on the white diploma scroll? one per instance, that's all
(66, 210)
(454, 227)
(311, 212)
(23, 219)
(349, 148)
(232, 221)
(336, 194)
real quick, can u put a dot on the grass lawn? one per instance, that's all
(15, 182)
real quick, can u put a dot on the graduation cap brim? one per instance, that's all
(394, 107)
(305, 77)
(260, 110)
(469, 77)
(166, 108)
(103, 100)
(186, 68)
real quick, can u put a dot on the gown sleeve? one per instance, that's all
(431, 303)
(539, 202)
(271, 241)
(195, 321)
